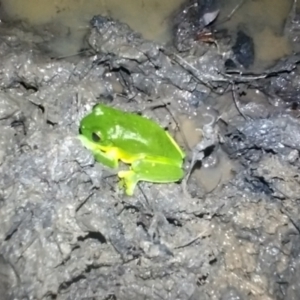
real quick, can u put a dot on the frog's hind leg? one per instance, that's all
(130, 180)
(152, 171)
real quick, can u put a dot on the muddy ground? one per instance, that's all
(67, 232)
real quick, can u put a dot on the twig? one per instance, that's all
(71, 55)
(187, 66)
(235, 100)
(291, 219)
(242, 77)
(202, 234)
(239, 5)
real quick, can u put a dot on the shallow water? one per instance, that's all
(263, 20)
(147, 17)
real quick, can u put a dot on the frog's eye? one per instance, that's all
(95, 106)
(96, 138)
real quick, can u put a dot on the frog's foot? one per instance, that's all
(130, 179)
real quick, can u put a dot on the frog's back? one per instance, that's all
(135, 134)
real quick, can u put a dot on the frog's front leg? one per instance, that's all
(151, 170)
(108, 158)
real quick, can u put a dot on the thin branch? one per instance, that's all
(236, 102)
(201, 235)
(238, 6)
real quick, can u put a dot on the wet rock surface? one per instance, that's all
(67, 233)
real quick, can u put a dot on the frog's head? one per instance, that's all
(93, 128)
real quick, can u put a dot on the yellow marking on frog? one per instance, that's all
(175, 144)
(116, 153)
